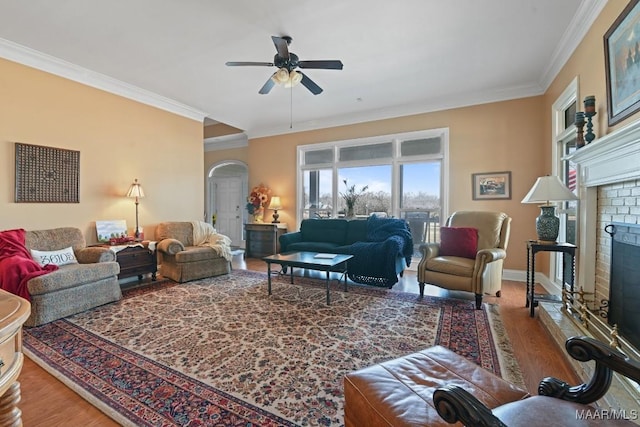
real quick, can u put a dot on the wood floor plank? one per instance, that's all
(48, 402)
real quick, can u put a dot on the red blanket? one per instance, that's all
(16, 265)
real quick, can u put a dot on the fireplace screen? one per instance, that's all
(624, 283)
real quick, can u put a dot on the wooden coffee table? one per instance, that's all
(313, 261)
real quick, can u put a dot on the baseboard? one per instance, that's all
(540, 278)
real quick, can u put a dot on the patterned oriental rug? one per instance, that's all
(222, 352)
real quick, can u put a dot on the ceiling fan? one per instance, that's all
(287, 62)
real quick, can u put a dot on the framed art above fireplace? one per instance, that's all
(622, 64)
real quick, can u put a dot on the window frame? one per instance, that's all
(395, 161)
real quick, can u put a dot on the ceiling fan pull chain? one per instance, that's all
(291, 108)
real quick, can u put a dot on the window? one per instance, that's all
(564, 144)
(403, 175)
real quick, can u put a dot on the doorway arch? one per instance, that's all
(226, 197)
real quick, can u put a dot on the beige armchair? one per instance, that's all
(181, 259)
(481, 275)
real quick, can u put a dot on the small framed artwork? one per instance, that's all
(622, 63)
(491, 185)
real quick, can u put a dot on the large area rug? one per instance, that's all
(222, 352)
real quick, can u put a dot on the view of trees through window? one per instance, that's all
(392, 177)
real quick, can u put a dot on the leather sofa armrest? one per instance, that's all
(170, 246)
(455, 404)
(607, 361)
(288, 238)
(93, 254)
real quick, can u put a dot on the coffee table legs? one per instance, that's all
(328, 281)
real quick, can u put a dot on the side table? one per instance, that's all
(136, 259)
(14, 311)
(263, 239)
(535, 246)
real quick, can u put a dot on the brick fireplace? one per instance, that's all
(609, 190)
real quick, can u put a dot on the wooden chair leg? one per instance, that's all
(478, 301)
(421, 284)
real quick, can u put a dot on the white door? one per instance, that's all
(228, 205)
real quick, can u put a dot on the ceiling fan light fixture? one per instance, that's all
(281, 76)
(294, 79)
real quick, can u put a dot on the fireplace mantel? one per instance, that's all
(613, 158)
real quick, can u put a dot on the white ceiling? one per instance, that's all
(400, 57)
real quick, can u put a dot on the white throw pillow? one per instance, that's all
(59, 257)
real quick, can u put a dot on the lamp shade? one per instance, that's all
(275, 203)
(135, 190)
(548, 189)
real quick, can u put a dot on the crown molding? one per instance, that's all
(41, 61)
(234, 140)
(582, 21)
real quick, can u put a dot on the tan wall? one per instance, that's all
(504, 136)
(587, 63)
(118, 140)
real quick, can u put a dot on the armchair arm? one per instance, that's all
(288, 238)
(170, 246)
(429, 250)
(93, 254)
(490, 255)
(455, 404)
(607, 360)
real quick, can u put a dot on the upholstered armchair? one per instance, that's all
(469, 256)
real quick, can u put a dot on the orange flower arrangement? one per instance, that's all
(258, 198)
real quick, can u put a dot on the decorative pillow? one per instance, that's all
(459, 241)
(59, 257)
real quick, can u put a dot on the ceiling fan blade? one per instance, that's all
(269, 84)
(240, 64)
(325, 65)
(310, 84)
(281, 46)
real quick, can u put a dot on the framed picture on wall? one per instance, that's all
(622, 62)
(491, 185)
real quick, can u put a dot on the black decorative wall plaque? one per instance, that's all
(46, 174)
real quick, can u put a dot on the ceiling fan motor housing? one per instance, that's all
(290, 64)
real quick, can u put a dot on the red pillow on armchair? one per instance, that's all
(459, 241)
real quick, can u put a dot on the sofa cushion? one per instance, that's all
(324, 230)
(72, 275)
(59, 257)
(356, 231)
(459, 241)
(196, 253)
(312, 247)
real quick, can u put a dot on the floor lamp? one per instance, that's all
(136, 191)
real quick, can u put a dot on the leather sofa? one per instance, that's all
(381, 247)
(399, 392)
(180, 260)
(72, 288)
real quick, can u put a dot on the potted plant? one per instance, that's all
(351, 196)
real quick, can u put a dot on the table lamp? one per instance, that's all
(548, 189)
(276, 205)
(135, 190)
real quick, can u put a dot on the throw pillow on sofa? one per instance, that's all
(459, 241)
(60, 257)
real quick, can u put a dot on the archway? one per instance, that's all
(227, 183)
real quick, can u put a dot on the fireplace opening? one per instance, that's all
(624, 283)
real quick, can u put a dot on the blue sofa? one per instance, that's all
(381, 247)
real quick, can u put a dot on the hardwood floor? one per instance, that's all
(48, 402)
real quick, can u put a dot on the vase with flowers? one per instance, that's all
(351, 196)
(257, 201)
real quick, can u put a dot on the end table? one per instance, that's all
(535, 246)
